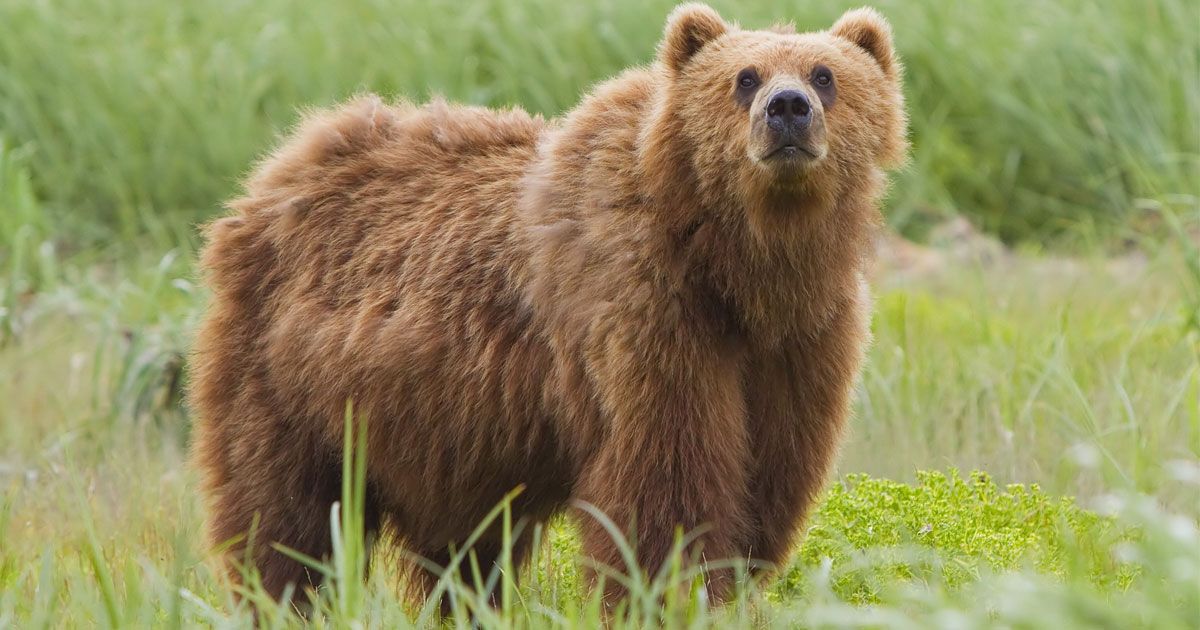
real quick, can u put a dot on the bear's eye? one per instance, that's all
(822, 77)
(747, 79)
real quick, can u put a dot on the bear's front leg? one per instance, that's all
(674, 455)
(799, 399)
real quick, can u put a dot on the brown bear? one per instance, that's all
(654, 305)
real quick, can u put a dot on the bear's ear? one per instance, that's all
(868, 30)
(689, 28)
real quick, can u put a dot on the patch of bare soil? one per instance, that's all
(957, 243)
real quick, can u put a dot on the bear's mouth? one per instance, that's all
(791, 151)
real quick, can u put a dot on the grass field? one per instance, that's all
(1037, 119)
(1067, 364)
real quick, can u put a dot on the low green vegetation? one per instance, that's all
(970, 523)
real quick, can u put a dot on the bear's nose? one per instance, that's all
(789, 107)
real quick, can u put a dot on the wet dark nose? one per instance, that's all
(788, 108)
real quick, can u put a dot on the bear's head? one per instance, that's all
(776, 113)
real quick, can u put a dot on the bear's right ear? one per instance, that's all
(689, 28)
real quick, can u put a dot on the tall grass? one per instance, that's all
(28, 262)
(947, 552)
(1024, 369)
(1034, 118)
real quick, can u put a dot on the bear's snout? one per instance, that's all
(789, 111)
(790, 127)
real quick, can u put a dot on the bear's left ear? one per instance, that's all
(868, 30)
(689, 28)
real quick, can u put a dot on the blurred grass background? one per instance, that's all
(1069, 357)
(1037, 120)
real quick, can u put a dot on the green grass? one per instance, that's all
(1069, 118)
(947, 551)
(1013, 369)
(1073, 382)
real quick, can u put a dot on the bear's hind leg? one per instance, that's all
(479, 567)
(277, 492)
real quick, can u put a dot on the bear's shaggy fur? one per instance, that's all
(634, 306)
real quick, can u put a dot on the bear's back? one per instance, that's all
(375, 248)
